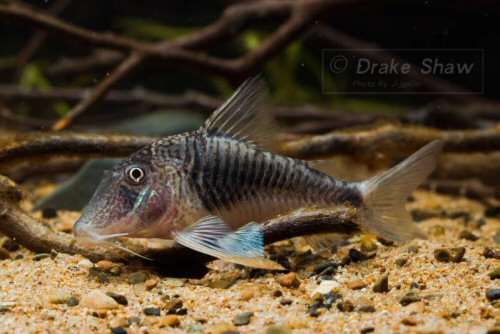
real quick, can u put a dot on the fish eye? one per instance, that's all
(135, 175)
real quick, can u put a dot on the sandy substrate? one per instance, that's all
(445, 297)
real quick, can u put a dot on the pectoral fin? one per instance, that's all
(212, 236)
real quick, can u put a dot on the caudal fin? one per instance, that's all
(384, 195)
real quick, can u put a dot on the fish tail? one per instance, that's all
(384, 195)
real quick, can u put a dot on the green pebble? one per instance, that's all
(382, 284)
(467, 235)
(410, 248)
(73, 301)
(278, 329)
(410, 297)
(436, 230)
(495, 274)
(40, 256)
(242, 319)
(449, 254)
(137, 277)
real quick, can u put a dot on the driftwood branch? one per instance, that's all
(38, 38)
(190, 100)
(41, 147)
(373, 143)
(393, 140)
(177, 53)
(19, 225)
(99, 91)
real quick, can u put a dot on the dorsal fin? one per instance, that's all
(243, 117)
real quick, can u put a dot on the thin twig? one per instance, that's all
(302, 14)
(37, 40)
(99, 91)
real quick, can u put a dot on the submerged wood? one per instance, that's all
(387, 140)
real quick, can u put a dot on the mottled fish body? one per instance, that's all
(202, 188)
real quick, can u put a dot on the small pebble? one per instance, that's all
(118, 330)
(410, 297)
(170, 320)
(99, 275)
(478, 223)
(493, 212)
(242, 319)
(53, 254)
(449, 254)
(225, 282)
(246, 295)
(330, 298)
(107, 266)
(277, 293)
(85, 264)
(181, 311)
(409, 321)
(3, 308)
(96, 299)
(10, 245)
(437, 230)
(173, 305)
(410, 248)
(289, 280)
(363, 304)
(366, 309)
(495, 274)
(324, 278)
(491, 253)
(356, 256)
(59, 297)
(368, 244)
(467, 235)
(345, 306)
(150, 283)
(19, 257)
(137, 277)
(367, 330)
(382, 284)
(222, 327)
(400, 261)
(327, 287)
(152, 311)
(493, 294)
(356, 284)
(134, 320)
(49, 213)
(416, 307)
(496, 237)
(120, 299)
(73, 301)
(278, 329)
(320, 268)
(286, 301)
(40, 256)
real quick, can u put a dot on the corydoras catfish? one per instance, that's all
(209, 189)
